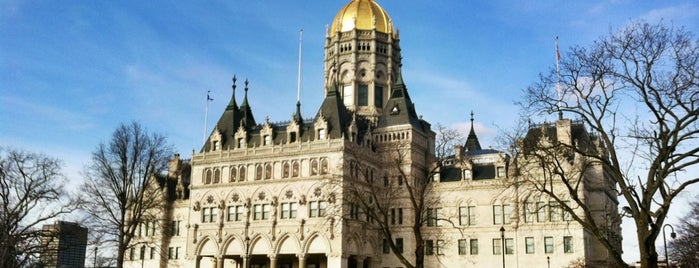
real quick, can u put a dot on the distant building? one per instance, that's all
(64, 245)
(260, 194)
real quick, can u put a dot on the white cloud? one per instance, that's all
(671, 13)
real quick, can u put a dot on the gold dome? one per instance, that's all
(362, 15)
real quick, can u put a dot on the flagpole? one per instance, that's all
(298, 86)
(206, 113)
(558, 81)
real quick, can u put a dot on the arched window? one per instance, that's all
(314, 167)
(295, 169)
(268, 172)
(285, 170)
(242, 173)
(207, 177)
(323, 166)
(217, 175)
(258, 172)
(234, 174)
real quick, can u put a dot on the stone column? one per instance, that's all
(246, 259)
(272, 261)
(302, 260)
(360, 261)
(218, 262)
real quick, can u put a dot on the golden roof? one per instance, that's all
(362, 15)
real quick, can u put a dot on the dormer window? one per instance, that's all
(241, 143)
(292, 137)
(467, 174)
(501, 172)
(321, 134)
(267, 140)
(217, 146)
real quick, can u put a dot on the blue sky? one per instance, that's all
(71, 71)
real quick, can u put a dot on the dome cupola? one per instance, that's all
(362, 15)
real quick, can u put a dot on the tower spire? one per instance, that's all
(472, 143)
(232, 105)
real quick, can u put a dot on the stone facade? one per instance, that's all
(277, 194)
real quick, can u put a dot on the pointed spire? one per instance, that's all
(472, 143)
(297, 115)
(247, 119)
(233, 105)
(245, 99)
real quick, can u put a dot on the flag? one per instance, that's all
(558, 54)
(208, 98)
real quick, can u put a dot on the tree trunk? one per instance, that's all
(120, 255)
(646, 246)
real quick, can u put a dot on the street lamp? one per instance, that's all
(548, 261)
(502, 239)
(673, 235)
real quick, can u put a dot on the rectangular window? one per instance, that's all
(321, 134)
(529, 245)
(554, 211)
(473, 245)
(529, 210)
(501, 172)
(175, 228)
(497, 246)
(399, 244)
(152, 253)
(170, 253)
(429, 247)
(177, 253)
(497, 214)
(386, 247)
(257, 212)
(568, 244)
(506, 214)
(268, 139)
(467, 216)
(363, 95)
(265, 211)
(378, 96)
(540, 212)
(209, 214)
(439, 247)
(548, 244)
(509, 246)
(566, 214)
(317, 209)
(463, 216)
(433, 215)
(348, 95)
(463, 243)
(289, 210)
(400, 215)
(393, 216)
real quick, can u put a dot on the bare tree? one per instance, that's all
(118, 184)
(31, 191)
(683, 249)
(637, 92)
(383, 186)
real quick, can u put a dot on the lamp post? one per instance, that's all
(548, 261)
(502, 239)
(673, 235)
